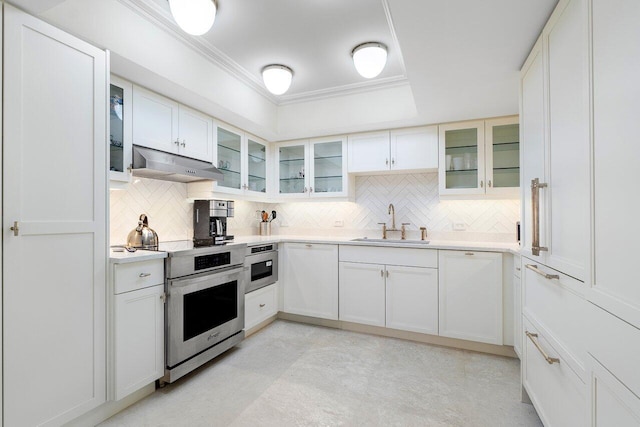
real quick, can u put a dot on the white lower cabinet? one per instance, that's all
(613, 404)
(403, 297)
(557, 392)
(470, 285)
(138, 327)
(310, 279)
(362, 293)
(260, 305)
(412, 299)
(517, 305)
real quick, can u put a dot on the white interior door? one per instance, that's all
(55, 177)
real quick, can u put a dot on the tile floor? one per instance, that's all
(292, 374)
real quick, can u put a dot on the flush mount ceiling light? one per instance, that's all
(194, 16)
(277, 78)
(369, 59)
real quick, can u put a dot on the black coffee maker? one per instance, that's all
(210, 222)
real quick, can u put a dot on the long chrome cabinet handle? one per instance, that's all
(141, 275)
(536, 185)
(550, 360)
(535, 268)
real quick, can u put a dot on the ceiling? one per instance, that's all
(449, 60)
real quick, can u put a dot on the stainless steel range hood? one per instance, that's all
(156, 164)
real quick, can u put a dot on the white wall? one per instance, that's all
(415, 197)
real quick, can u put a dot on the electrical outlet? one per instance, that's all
(338, 223)
(459, 226)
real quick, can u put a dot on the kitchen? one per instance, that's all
(575, 251)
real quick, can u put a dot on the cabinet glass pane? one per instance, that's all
(461, 158)
(116, 116)
(229, 145)
(506, 156)
(257, 155)
(291, 169)
(327, 167)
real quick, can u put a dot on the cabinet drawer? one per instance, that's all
(138, 275)
(390, 256)
(555, 304)
(557, 392)
(613, 403)
(615, 344)
(260, 305)
(517, 266)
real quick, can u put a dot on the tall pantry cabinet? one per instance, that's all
(580, 99)
(54, 174)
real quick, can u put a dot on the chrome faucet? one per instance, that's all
(392, 212)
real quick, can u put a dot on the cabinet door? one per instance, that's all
(532, 150)
(415, 148)
(155, 121)
(369, 152)
(362, 293)
(291, 159)
(502, 154)
(412, 299)
(256, 159)
(54, 265)
(461, 168)
(613, 404)
(139, 339)
(616, 175)
(569, 148)
(121, 129)
(196, 134)
(311, 280)
(517, 314)
(230, 160)
(471, 295)
(328, 168)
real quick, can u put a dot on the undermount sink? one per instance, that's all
(405, 242)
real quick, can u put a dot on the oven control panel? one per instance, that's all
(259, 249)
(204, 262)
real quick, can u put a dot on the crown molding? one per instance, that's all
(152, 12)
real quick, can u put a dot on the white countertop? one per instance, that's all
(433, 244)
(139, 255)
(514, 248)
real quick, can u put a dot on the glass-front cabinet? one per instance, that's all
(480, 157)
(312, 168)
(120, 130)
(243, 161)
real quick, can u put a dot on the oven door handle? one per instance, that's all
(197, 280)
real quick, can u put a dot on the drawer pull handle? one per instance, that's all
(144, 275)
(469, 253)
(308, 245)
(518, 268)
(533, 337)
(535, 268)
(262, 305)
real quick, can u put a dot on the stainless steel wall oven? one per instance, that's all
(205, 308)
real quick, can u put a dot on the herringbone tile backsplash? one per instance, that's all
(415, 197)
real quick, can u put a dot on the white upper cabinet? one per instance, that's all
(396, 150)
(480, 157)
(316, 168)
(616, 109)
(121, 129)
(462, 158)
(165, 125)
(195, 134)
(244, 161)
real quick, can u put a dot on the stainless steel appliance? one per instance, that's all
(210, 221)
(156, 164)
(262, 266)
(204, 315)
